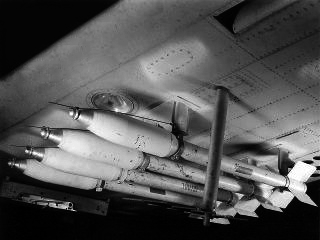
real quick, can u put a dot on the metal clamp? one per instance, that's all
(145, 163)
(177, 154)
(287, 182)
(252, 194)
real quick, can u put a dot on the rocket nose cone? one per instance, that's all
(74, 113)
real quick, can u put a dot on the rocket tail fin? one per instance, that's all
(300, 173)
(271, 207)
(247, 213)
(247, 206)
(224, 209)
(223, 221)
(303, 197)
(267, 204)
(281, 198)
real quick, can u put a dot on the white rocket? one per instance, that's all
(66, 162)
(41, 172)
(136, 134)
(87, 145)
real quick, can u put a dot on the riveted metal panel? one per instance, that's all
(298, 64)
(294, 23)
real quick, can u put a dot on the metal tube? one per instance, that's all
(164, 182)
(172, 184)
(36, 170)
(197, 154)
(237, 168)
(194, 153)
(153, 193)
(182, 171)
(215, 152)
(253, 173)
(66, 162)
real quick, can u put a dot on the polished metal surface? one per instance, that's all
(18, 164)
(215, 152)
(192, 174)
(55, 135)
(36, 153)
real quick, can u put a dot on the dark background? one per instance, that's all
(127, 220)
(27, 27)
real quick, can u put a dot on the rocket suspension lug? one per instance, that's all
(100, 185)
(124, 175)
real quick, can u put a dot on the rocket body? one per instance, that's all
(66, 162)
(102, 123)
(70, 139)
(39, 171)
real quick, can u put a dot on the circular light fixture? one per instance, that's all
(112, 100)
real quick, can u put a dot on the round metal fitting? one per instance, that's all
(74, 113)
(45, 132)
(112, 100)
(29, 150)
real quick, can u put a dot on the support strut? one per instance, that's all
(215, 154)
